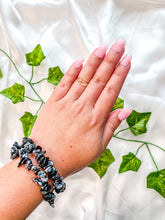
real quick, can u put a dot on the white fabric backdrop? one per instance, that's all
(68, 29)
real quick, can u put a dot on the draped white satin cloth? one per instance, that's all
(66, 30)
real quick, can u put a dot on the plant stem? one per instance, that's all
(152, 157)
(139, 148)
(31, 74)
(14, 65)
(138, 141)
(121, 131)
(39, 81)
(39, 109)
(28, 82)
(36, 92)
(34, 100)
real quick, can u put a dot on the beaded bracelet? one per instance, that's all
(50, 172)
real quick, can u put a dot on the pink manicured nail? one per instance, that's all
(100, 52)
(124, 113)
(119, 45)
(126, 60)
(78, 62)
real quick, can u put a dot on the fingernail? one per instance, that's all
(119, 45)
(126, 60)
(100, 52)
(124, 113)
(78, 62)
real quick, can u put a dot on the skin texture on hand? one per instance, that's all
(75, 124)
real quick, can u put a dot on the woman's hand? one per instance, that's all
(75, 124)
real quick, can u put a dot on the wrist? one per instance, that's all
(52, 153)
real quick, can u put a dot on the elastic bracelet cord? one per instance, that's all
(29, 147)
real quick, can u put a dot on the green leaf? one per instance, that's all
(102, 163)
(156, 181)
(28, 121)
(15, 93)
(35, 57)
(119, 104)
(1, 75)
(55, 75)
(129, 162)
(138, 121)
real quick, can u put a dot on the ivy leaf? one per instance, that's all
(119, 104)
(102, 163)
(15, 93)
(129, 162)
(156, 181)
(137, 122)
(1, 75)
(28, 121)
(55, 75)
(35, 57)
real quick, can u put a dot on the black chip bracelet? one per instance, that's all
(48, 170)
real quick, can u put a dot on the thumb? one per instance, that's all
(113, 121)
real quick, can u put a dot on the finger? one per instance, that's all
(68, 79)
(104, 72)
(111, 91)
(112, 123)
(87, 72)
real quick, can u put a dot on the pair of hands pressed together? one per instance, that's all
(75, 124)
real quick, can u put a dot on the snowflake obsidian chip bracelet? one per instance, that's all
(48, 170)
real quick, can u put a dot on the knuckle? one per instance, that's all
(62, 85)
(69, 74)
(111, 59)
(93, 122)
(98, 80)
(91, 62)
(111, 126)
(82, 82)
(112, 90)
(118, 71)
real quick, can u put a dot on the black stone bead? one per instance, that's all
(52, 173)
(44, 162)
(36, 151)
(30, 147)
(25, 140)
(50, 197)
(41, 159)
(48, 169)
(44, 192)
(14, 155)
(38, 182)
(22, 161)
(14, 152)
(39, 155)
(46, 187)
(34, 167)
(41, 173)
(29, 164)
(58, 188)
(50, 164)
(36, 171)
(44, 179)
(23, 153)
(17, 145)
(39, 148)
(56, 178)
